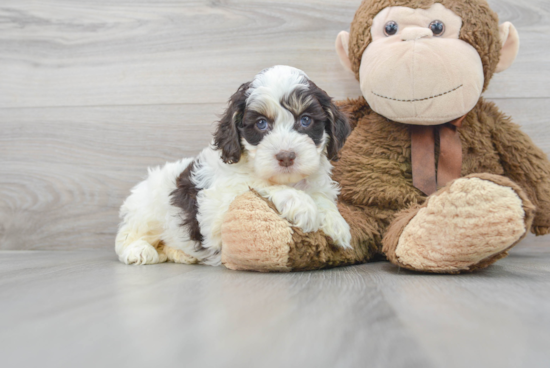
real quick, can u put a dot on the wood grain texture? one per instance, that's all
(66, 171)
(82, 53)
(93, 92)
(85, 309)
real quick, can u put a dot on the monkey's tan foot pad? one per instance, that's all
(466, 226)
(254, 236)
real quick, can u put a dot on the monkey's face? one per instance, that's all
(416, 70)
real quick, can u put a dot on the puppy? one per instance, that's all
(278, 135)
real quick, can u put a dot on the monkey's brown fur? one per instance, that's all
(378, 198)
(375, 169)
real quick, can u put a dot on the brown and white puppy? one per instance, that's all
(278, 135)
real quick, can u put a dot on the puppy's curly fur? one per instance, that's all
(278, 136)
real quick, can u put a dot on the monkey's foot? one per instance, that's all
(468, 225)
(256, 237)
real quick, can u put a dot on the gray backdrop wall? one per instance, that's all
(94, 91)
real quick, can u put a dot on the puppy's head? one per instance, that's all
(284, 124)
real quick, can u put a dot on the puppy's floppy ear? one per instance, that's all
(338, 131)
(337, 126)
(227, 137)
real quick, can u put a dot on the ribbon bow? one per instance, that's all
(423, 155)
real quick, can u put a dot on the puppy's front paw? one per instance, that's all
(140, 252)
(298, 208)
(338, 229)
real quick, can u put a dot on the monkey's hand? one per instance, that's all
(540, 230)
(524, 163)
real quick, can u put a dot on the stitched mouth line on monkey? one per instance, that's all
(419, 99)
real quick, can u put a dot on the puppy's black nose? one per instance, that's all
(286, 158)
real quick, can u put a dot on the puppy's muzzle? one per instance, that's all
(286, 158)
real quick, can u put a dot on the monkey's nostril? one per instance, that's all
(286, 158)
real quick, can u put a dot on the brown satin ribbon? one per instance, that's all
(423, 155)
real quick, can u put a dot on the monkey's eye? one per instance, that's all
(305, 121)
(390, 28)
(262, 124)
(437, 27)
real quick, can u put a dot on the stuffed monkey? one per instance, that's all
(433, 177)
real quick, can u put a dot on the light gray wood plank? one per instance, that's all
(85, 309)
(115, 138)
(66, 171)
(496, 318)
(157, 52)
(89, 53)
(104, 313)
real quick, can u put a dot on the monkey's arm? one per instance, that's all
(524, 163)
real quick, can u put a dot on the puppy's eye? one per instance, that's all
(437, 27)
(305, 121)
(390, 28)
(262, 124)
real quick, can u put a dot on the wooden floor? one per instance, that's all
(93, 92)
(85, 309)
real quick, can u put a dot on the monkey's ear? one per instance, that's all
(509, 39)
(227, 135)
(342, 44)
